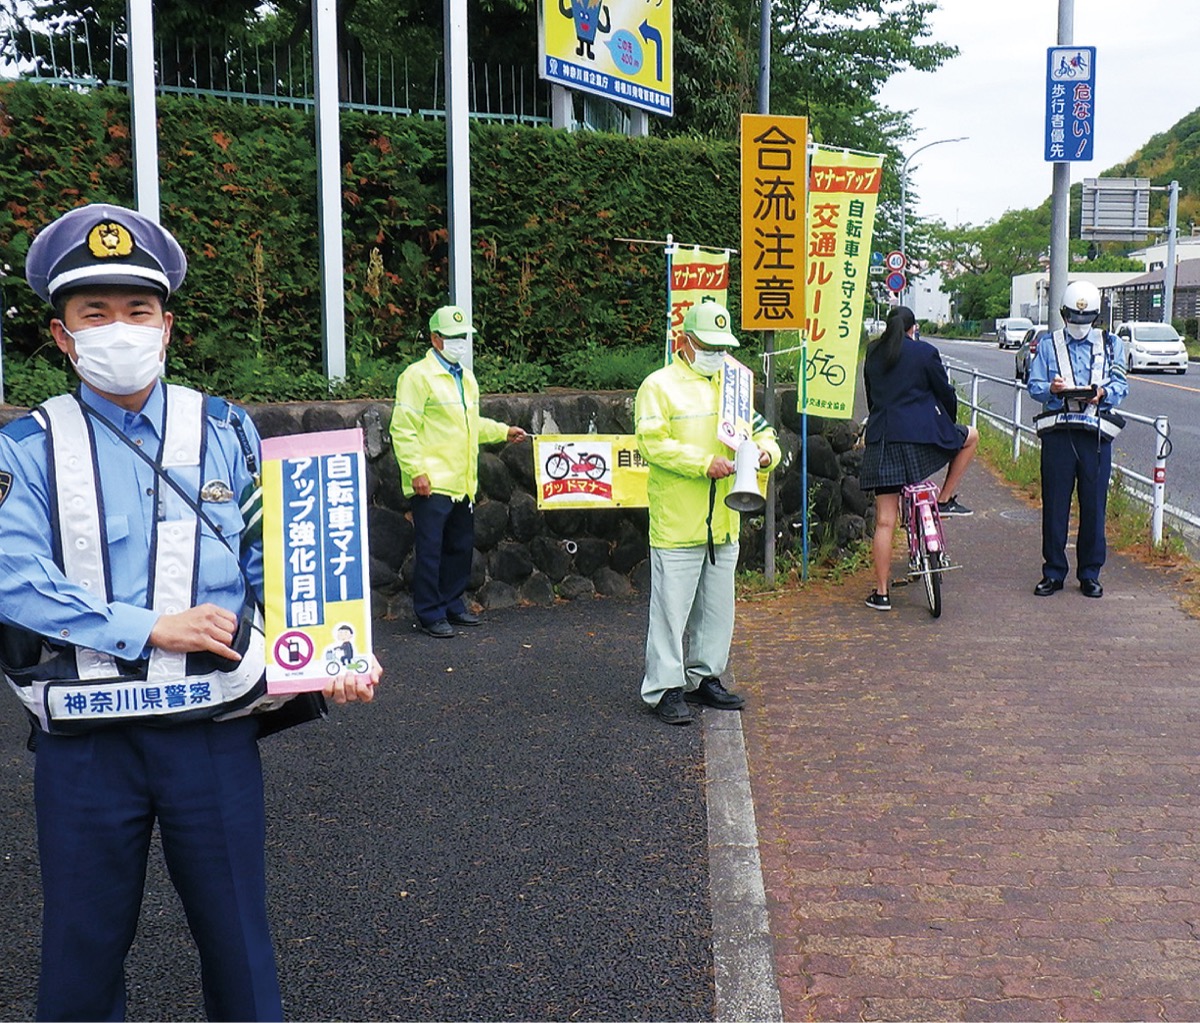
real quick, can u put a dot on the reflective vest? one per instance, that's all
(69, 689)
(1077, 414)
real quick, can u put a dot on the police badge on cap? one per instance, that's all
(104, 245)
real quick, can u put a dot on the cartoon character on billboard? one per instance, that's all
(590, 17)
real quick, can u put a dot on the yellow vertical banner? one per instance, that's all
(773, 185)
(842, 192)
(696, 275)
(315, 559)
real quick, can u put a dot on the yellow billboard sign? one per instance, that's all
(773, 184)
(619, 49)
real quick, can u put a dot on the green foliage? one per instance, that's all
(555, 290)
(29, 381)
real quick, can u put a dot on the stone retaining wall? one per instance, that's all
(523, 555)
(526, 556)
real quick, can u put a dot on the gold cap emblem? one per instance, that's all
(109, 239)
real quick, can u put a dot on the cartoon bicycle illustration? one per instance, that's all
(341, 656)
(1076, 66)
(822, 362)
(560, 464)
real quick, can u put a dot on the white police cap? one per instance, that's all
(102, 244)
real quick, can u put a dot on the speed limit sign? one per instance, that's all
(895, 261)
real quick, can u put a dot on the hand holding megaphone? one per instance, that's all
(744, 497)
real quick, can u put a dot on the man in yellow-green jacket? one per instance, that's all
(692, 563)
(436, 431)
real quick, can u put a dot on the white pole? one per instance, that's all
(1060, 196)
(329, 189)
(458, 158)
(904, 208)
(140, 16)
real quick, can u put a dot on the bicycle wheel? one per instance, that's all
(931, 563)
(557, 466)
(596, 466)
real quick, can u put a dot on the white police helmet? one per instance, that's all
(1081, 303)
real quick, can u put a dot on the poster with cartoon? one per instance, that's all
(315, 559)
(619, 49)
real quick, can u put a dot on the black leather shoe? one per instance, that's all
(672, 709)
(1091, 588)
(466, 618)
(1047, 586)
(439, 630)
(711, 693)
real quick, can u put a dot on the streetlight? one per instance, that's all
(904, 194)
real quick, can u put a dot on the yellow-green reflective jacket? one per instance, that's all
(436, 428)
(675, 416)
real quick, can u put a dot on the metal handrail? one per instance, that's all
(1155, 496)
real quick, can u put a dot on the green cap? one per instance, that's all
(710, 323)
(450, 321)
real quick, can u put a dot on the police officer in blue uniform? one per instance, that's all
(130, 586)
(1078, 374)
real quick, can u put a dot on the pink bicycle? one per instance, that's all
(927, 558)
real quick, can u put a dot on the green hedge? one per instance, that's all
(557, 299)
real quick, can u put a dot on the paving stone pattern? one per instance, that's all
(989, 816)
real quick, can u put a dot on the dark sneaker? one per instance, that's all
(672, 709)
(439, 629)
(466, 618)
(952, 507)
(710, 693)
(879, 601)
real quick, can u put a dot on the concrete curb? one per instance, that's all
(743, 950)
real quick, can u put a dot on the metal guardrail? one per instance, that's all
(1150, 490)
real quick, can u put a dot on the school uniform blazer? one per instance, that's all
(914, 402)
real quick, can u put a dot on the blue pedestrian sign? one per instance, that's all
(1070, 103)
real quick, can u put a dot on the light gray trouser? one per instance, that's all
(691, 603)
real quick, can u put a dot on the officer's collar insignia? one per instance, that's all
(109, 238)
(216, 491)
(5, 485)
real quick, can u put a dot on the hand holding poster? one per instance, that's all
(315, 560)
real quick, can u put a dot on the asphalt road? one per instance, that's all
(505, 833)
(1150, 394)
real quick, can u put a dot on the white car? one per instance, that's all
(1011, 332)
(1153, 346)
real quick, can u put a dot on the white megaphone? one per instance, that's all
(744, 497)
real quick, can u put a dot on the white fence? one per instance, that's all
(1150, 489)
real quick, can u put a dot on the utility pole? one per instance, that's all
(1060, 198)
(1169, 270)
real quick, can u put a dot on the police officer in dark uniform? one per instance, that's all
(1078, 374)
(130, 587)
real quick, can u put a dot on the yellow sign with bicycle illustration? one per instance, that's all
(589, 470)
(842, 191)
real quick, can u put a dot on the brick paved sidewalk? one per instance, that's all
(993, 815)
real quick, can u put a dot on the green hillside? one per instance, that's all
(1173, 155)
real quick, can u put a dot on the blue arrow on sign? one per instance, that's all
(650, 34)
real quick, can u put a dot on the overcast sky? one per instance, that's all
(1147, 78)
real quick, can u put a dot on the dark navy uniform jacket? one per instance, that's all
(914, 402)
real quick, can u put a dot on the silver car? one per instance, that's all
(1153, 346)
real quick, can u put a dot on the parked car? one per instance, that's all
(1153, 346)
(1011, 331)
(1028, 349)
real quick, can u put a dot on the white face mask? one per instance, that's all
(119, 358)
(1078, 330)
(707, 363)
(455, 349)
